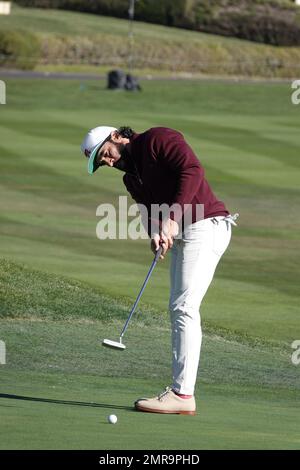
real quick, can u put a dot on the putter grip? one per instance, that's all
(158, 253)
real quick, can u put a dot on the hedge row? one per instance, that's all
(274, 22)
(214, 58)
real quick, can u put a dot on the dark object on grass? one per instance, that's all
(118, 80)
(132, 83)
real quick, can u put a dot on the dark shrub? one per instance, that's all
(19, 49)
(268, 21)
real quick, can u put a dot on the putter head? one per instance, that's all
(113, 344)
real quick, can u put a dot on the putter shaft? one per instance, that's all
(157, 255)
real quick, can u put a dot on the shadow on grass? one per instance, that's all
(66, 402)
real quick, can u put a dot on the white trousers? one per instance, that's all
(194, 259)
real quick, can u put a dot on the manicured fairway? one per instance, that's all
(247, 137)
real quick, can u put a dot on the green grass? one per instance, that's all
(42, 340)
(246, 137)
(90, 42)
(57, 373)
(76, 289)
(50, 411)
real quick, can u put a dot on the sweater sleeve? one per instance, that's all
(171, 148)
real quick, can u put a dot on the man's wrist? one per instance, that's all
(155, 235)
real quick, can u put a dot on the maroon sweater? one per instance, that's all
(168, 171)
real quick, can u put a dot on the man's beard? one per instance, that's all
(124, 163)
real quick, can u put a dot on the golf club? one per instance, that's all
(118, 344)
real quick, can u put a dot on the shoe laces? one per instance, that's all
(164, 393)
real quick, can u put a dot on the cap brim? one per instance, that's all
(92, 163)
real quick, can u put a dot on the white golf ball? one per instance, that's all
(112, 419)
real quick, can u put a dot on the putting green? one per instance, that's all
(59, 384)
(50, 411)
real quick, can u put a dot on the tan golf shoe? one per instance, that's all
(167, 402)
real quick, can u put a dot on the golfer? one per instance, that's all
(161, 168)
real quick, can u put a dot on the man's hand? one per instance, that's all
(158, 241)
(168, 232)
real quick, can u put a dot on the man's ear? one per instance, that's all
(115, 136)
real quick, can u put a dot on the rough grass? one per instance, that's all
(29, 294)
(35, 295)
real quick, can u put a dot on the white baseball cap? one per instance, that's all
(92, 142)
